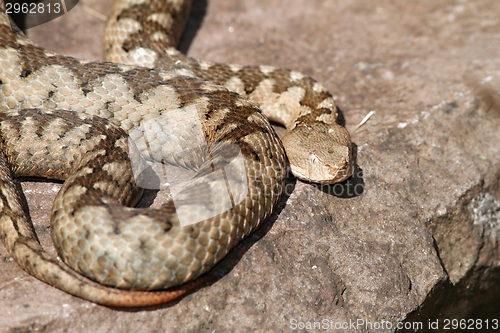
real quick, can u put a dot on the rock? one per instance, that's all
(412, 238)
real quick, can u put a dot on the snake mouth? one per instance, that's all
(328, 175)
(338, 174)
(342, 173)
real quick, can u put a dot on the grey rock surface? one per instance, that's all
(412, 237)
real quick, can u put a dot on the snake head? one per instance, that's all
(319, 152)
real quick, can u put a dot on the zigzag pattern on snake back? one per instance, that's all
(75, 120)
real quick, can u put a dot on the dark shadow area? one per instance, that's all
(471, 305)
(148, 198)
(340, 117)
(198, 12)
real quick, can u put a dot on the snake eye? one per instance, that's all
(313, 158)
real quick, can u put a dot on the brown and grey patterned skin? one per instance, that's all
(127, 255)
(144, 35)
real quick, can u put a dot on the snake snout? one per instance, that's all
(339, 172)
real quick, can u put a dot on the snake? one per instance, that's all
(104, 127)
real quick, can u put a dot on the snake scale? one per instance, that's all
(92, 124)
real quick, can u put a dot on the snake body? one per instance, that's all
(94, 124)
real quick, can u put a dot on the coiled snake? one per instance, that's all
(86, 121)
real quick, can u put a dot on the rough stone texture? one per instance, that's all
(412, 237)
